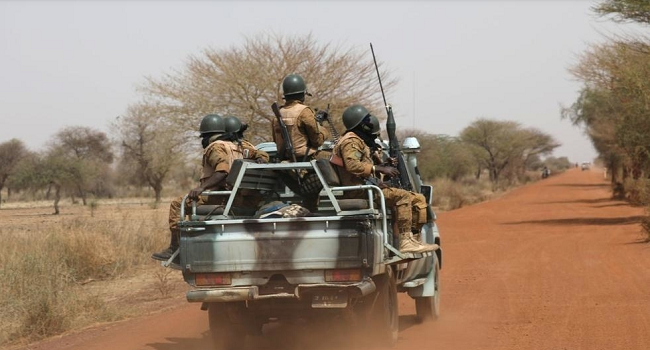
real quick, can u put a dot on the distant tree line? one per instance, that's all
(154, 141)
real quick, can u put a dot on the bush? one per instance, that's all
(636, 191)
(449, 195)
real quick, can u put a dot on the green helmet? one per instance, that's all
(353, 115)
(376, 128)
(212, 123)
(293, 84)
(232, 124)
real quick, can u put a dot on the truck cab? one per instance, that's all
(253, 262)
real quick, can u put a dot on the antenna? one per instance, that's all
(413, 124)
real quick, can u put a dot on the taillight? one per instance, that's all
(342, 275)
(212, 279)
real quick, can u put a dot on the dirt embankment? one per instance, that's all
(553, 265)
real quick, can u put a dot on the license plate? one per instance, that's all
(329, 300)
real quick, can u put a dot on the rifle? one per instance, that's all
(288, 145)
(403, 181)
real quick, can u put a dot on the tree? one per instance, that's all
(150, 142)
(50, 169)
(536, 143)
(614, 105)
(244, 81)
(499, 144)
(88, 153)
(11, 152)
(443, 156)
(625, 10)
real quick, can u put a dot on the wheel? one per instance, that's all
(428, 308)
(385, 313)
(225, 334)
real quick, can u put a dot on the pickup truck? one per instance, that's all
(247, 271)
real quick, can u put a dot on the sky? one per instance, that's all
(65, 63)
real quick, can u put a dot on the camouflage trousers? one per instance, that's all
(175, 211)
(409, 208)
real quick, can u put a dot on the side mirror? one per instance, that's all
(411, 145)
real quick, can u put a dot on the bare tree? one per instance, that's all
(11, 152)
(150, 142)
(244, 81)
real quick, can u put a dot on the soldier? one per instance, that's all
(304, 128)
(235, 133)
(354, 150)
(218, 155)
(307, 135)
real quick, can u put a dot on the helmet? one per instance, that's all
(376, 128)
(212, 123)
(293, 84)
(232, 124)
(353, 115)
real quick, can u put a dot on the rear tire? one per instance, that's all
(428, 308)
(385, 313)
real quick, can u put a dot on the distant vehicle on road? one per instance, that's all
(585, 166)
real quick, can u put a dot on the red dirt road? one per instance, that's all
(554, 265)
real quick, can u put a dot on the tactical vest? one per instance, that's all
(232, 150)
(299, 140)
(347, 178)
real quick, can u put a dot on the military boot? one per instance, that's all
(165, 254)
(408, 244)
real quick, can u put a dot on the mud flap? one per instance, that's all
(426, 289)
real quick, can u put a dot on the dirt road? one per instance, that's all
(554, 265)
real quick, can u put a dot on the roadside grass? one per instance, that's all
(450, 195)
(44, 264)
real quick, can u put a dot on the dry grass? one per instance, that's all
(449, 195)
(48, 262)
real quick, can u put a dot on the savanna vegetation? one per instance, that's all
(614, 104)
(152, 152)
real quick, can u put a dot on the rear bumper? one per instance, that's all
(224, 295)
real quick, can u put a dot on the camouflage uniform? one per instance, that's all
(410, 207)
(305, 132)
(218, 156)
(306, 136)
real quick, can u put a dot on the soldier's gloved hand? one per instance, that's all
(391, 161)
(387, 170)
(195, 193)
(260, 161)
(322, 116)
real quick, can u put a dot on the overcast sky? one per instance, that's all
(78, 63)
